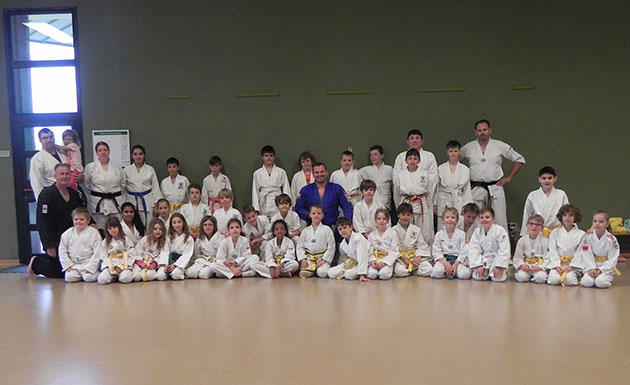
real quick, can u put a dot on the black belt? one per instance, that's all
(483, 185)
(101, 195)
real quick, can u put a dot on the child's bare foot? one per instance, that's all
(29, 269)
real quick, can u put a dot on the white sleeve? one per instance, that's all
(36, 177)
(436, 248)
(187, 253)
(517, 259)
(255, 201)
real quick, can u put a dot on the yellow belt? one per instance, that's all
(409, 254)
(348, 264)
(113, 256)
(176, 206)
(312, 262)
(147, 259)
(193, 229)
(547, 230)
(534, 260)
(381, 254)
(279, 259)
(565, 260)
(600, 259)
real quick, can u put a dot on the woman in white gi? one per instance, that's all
(353, 254)
(530, 258)
(449, 249)
(453, 188)
(143, 188)
(206, 246)
(489, 249)
(116, 255)
(77, 249)
(268, 182)
(132, 225)
(383, 251)
(597, 255)
(412, 185)
(280, 252)
(234, 256)
(105, 183)
(150, 250)
(181, 246)
(414, 251)
(563, 243)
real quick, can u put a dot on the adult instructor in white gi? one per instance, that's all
(484, 157)
(43, 164)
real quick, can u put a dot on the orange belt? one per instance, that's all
(413, 198)
(211, 202)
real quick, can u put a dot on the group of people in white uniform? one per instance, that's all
(177, 230)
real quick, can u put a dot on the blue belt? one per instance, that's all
(173, 257)
(141, 195)
(450, 258)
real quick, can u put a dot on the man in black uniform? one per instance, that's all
(54, 209)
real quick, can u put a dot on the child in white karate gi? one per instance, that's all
(449, 249)
(214, 183)
(414, 251)
(175, 186)
(546, 201)
(530, 258)
(268, 182)
(412, 185)
(163, 212)
(563, 244)
(489, 249)
(348, 177)
(132, 225)
(383, 251)
(181, 247)
(234, 256)
(290, 217)
(453, 187)
(280, 252)
(468, 220)
(353, 254)
(194, 210)
(257, 229)
(381, 174)
(150, 250)
(77, 249)
(364, 211)
(316, 247)
(226, 212)
(205, 249)
(597, 255)
(116, 254)
(72, 148)
(304, 176)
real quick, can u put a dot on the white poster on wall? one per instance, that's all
(118, 141)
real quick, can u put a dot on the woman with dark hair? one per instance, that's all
(143, 188)
(105, 183)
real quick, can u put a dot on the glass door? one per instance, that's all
(43, 82)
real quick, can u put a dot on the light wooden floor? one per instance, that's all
(318, 331)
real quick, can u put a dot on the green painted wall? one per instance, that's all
(134, 54)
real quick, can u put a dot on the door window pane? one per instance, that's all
(32, 213)
(45, 90)
(42, 37)
(31, 140)
(36, 243)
